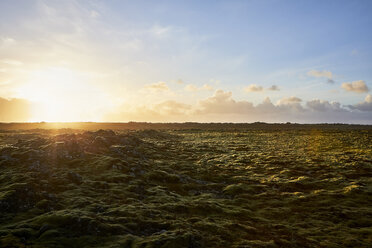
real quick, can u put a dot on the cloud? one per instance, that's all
(172, 108)
(157, 87)
(355, 86)
(207, 87)
(222, 107)
(257, 88)
(289, 100)
(11, 62)
(193, 88)
(6, 41)
(160, 31)
(266, 106)
(321, 74)
(330, 81)
(222, 102)
(179, 81)
(323, 106)
(315, 73)
(366, 105)
(273, 88)
(163, 112)
(14, 110)
(94, 14)
(253, 88)
(290, 104)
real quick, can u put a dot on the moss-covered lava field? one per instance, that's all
(307, 186)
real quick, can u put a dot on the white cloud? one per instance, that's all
(161, 112)
(290, 104)
(289, 100)
(193, 88)
(5, 41)
(222, 102)
(207, 87)
(215, 81)
(172, 108)
(315, 73)
(355, 86)
(157, 87)
(94, 14)
(253, 88)
(160, 31)
(11, 62)
(222, 107)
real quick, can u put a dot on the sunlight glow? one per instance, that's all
(63, 95)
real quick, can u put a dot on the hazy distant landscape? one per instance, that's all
(185, 185)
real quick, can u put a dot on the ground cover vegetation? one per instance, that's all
(263, 186)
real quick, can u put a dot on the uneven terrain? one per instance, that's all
(258, 187)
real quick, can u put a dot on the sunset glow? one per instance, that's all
(230, 61)
(60, 94)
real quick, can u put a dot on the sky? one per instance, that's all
(177, 61)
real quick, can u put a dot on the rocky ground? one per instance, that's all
(186, 188)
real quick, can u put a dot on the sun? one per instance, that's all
(62, 95)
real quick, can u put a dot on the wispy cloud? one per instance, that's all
(194, 88)
(161, 31)
(315, 73)
(4, 41)
(258, 88)
(94, 14)
(322, 74)
(158, 87)
(11, 62)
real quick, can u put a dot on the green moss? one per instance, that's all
(242, 188)
(195, 188)
(162, 176)
(43, 204)
(11, 241)
(50, 235)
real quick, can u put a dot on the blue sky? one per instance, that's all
(163, 60)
